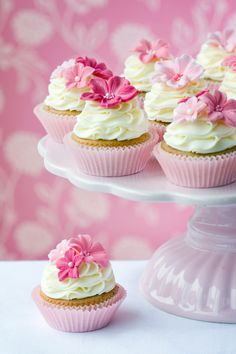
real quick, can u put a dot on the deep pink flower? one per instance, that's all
(69, 264)
(220, 108)
(200, 93)
(230, 61)
(59, 251)
(189, 110)
(152, 51)
(179, 72)
(110, 92)
(100, 69)
(77, 76)
(225, 39)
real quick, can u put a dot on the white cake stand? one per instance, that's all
(194, 276)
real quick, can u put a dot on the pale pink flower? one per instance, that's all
(225, 39)
(69, 265)
(77, 76)
(100, 69)
(230, 61)
(59, 251)
(110, 92)
(179, 72)
(152, 51)
(219, 108)
(189, 110)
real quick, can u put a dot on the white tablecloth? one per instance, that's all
(137, 328)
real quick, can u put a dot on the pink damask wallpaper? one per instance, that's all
(38, 209)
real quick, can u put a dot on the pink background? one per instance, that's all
(38, 209)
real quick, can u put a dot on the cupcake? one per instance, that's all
(199, 146)
(228, 84)
(68, 82)
(217, 47)
(111, 136)
(139, 67)
(78, 292)
(173, 80)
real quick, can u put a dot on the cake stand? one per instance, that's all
(194, 276)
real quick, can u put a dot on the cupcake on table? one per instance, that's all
(139, 67)
(111, 136)
(173, 80)
(228, 84)
(68, 82)
(217, 47)
(78, 292)
(199, 146)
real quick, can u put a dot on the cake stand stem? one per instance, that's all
(195, 276)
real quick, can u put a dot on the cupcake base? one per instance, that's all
(79, 318)
(197, 171)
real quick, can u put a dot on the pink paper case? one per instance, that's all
(79, 319)
(57, 126)
(197, 172)
(160, 129)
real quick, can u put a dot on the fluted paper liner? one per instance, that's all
(79, 318)
(160, 128)
(57, 126)
(199, 171)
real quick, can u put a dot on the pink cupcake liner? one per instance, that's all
(197, 172)
(160, 129)
(113, 161)
(57, 126)
(79, 319)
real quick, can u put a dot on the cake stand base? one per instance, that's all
(195, 276)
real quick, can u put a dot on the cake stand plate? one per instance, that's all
(194, 276)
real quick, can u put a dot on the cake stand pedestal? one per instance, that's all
(194, 276)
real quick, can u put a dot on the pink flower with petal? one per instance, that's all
(100, 69)
(225, 39)
(69, 264)
(77, 76)
(152, 51)
(189, 110)
(200, 93)
(59, 251)
(179, 72)
(219, 108)
(110, 92)
(230, 61)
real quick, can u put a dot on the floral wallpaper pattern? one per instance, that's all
(38, 209)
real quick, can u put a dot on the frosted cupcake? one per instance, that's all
(78, 292)
(228, 84)
(199, 147)
(67, 83)
(217, 47)
(111, 136)
(139, 67)
(173, 80)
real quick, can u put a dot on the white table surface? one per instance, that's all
(137, 328)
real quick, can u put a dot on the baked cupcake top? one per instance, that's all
(111, 111)
(216, 48)
(78, 268)
(139, 67)
(173, 80)
(228, 84)
(203, 124)
(70, 79)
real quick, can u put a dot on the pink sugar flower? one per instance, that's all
(230, 61)
(225, 39)
(189, 109)
(219, 108)
(77, 76)
(69, 265)
(59, 251)
(152, 51)
(110, 92)
(100, 69)
(179, 72)
(185, 99)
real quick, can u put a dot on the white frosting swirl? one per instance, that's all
(200, 136)
(93, 280)
(61, 98)
(123, 122)
(211, 57)
(228, 85)
(138, 73)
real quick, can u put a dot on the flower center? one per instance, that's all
(109, 96)
(77, 78)
(218, 108)
(70, 264)
(177, 77)
(150, 51)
